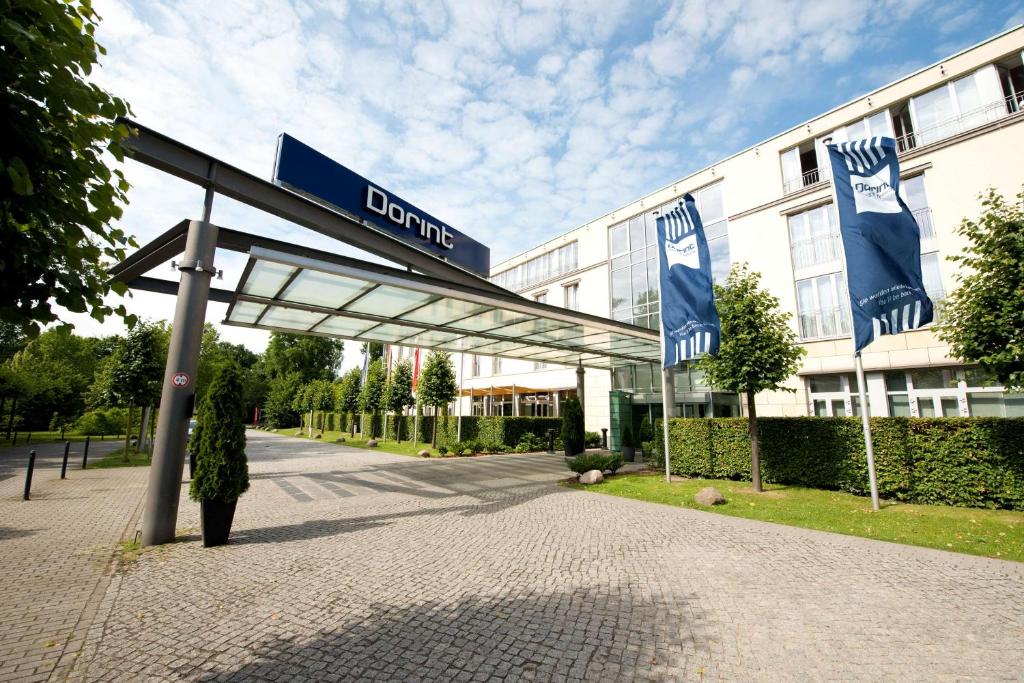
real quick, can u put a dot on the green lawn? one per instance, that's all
(116, 459)
(992, 533)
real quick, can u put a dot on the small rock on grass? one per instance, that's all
(340, 439)
(592, 477)
(424, 453)
(372, 443)
(709, 496)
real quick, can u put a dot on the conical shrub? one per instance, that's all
(218, 440)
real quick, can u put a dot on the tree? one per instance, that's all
(573, 431)
(218, 440)
(315, 395)
(759, 349)
(281, 390)
(983, 319)
(398, 393)
(136, 371)
(347, 397)
(437, 386)
(372, 394)
(98, 423)
(57, 195)
(311, 357)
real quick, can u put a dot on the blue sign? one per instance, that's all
(881, 239)
(301, 168)
(689, 320)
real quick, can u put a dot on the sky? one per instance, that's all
(513, 122)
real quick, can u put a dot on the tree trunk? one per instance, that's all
(10, 420)
(433, 438)
(755, 456)
(399, 420)
(128, 430)
(352, 425)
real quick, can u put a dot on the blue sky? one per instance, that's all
(513, 121)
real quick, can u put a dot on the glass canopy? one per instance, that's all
(355, 300)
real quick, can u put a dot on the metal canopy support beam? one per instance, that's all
(169, 155)
(152, 284)
(178, 397)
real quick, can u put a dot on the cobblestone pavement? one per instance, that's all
(354, 565)
(55, 554)
(350, 565)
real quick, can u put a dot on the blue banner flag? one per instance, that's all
(881, 239)
(689, 320)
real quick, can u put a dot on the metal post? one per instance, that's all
(868, 447)
(604, 438)
(177, 398)
(580, 386)
(462, 376)
(64, 463)
(29, 439)
(28, 474)
(668, 400)
(85, 452)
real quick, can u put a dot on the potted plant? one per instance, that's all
(628, 444)
(573, 434)
(218, 443)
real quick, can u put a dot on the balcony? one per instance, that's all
(924, 222)
(825, 324)
(958, 124)
(816, 251)
(807, 178)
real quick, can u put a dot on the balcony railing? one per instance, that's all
(805, 179)
(924, 222)
(958, 124)
(824, 324)
(816, 251)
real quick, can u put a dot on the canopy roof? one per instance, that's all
(339, 297)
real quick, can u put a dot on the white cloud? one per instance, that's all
(531, 116)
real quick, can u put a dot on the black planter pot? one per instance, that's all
(215, 518)
(629, 453)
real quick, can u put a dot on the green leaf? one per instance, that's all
(21, 182)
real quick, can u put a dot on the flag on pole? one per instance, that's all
(366, 365)
(881, 239)
(416, 369)
(689, 320)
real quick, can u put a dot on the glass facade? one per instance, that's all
(633, 247)
(539, 269)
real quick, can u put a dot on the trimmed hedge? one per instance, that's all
(966, 462)
(508, 431)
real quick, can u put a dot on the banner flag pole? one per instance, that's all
(866, 423)
(881, 244)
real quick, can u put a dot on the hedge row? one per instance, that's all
(507, 431)
(967, 462)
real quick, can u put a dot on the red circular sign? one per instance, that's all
(180, 379)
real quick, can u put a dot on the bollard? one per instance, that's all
(64, 463)
(85, 452)
(604, 438)
(28, 475)
(551, 441)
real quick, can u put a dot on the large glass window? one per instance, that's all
(572, 293)
(634, 257)
(823, 305)
(814, 237)
(540, 268)
(953, 107)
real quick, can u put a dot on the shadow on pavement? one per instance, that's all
(582, 634)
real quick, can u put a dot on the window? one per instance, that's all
(799, 167)
(951, 108)
(834, 395)
(949, 392)
(474, 365)
(538, 269)
(823, 306)
(876, 125)
(912, 191)
(571, 293)
(633, 247)
(495, 365)
(814, 237)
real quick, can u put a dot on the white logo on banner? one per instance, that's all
(874, 193)
(683, 252)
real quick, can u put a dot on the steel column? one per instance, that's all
(176, 402)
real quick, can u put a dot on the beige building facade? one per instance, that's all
(959, 127)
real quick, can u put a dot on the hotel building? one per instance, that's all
(957, 124)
